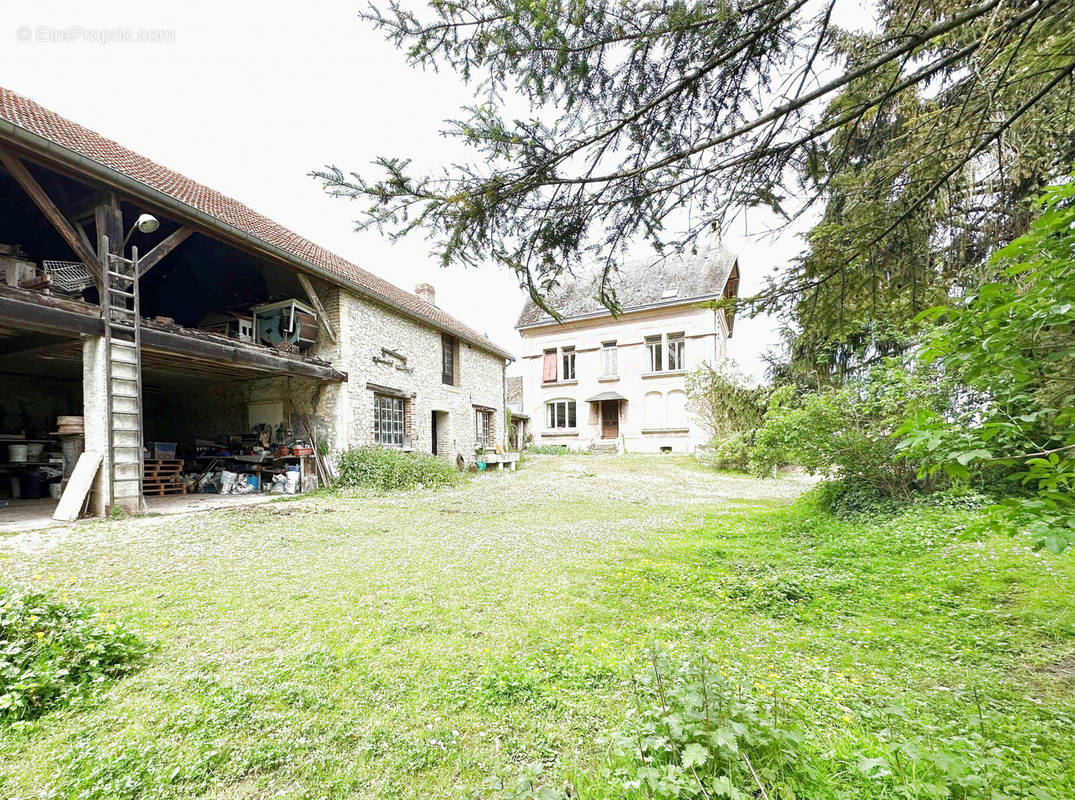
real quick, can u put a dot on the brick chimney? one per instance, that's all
(425, 291)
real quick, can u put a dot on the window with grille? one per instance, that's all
(388, 420)
(560, 414)
(483, 428)
(447, 352)
(609, 357)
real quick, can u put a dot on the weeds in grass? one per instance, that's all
(55, 649)
(413, 645)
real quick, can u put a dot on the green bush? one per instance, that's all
(731, 452)
(848, 499)
(852, 433)
(54, 650)
(1011, 343)
(730, 410)
(385, 469)
(548, 450)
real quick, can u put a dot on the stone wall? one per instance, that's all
(378, 347)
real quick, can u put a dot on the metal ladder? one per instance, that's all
(123, 344)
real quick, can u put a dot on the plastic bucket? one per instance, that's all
(17, 453)
(34, 485)
(55, 490)
(34, 451)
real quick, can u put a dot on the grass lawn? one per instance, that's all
(418, 644)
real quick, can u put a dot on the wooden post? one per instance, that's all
(315, 301)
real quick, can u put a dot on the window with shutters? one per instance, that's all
(609, 360)
(548, 367)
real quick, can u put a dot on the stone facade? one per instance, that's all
(385, 352)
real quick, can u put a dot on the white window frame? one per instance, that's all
(389, 420)
(559, 414)
(483, 423)
(610, 367)
(675, 347)
(567, 363)
(654, 353)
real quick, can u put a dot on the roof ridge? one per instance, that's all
(27, 114)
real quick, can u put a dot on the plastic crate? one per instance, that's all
(161, 449)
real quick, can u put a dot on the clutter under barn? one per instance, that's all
(159, 339)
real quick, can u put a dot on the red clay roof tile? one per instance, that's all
(26, 114)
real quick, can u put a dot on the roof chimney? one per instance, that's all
(425, 291)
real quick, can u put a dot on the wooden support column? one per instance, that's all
(315, 301)
(109, 221)
(52, 213)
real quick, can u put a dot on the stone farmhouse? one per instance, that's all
(168, 317)
(593, 380)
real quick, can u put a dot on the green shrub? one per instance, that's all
(54, 650)
(1011, 342)
(548, 450)
(730, 410)
(848, 499)
(852, 433)
(385, 469)
(731, 452)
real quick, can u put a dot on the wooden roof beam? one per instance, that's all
(52, 213)
(166, 245)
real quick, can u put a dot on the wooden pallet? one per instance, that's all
(156, 491)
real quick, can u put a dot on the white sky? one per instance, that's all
(250, 96)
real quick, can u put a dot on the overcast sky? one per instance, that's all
(248, 97)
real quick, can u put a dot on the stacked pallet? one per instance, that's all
(163, 476)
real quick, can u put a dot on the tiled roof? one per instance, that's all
(25, 113)
(641, 283)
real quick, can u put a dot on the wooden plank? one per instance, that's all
(47, 318)
(48, 208)
(167, 245)
(78, 487)
(315, 301)
(257, 359)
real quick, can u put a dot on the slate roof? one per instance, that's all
(650, 282)
(229, 213)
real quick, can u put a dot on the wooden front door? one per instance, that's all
(610, 419)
